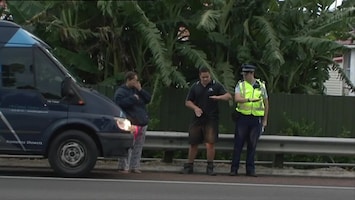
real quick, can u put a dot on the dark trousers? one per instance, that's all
(248, 129)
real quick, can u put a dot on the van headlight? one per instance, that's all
(123, 124)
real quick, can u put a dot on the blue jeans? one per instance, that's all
(248, 129)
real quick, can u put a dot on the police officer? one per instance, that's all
(253, 106)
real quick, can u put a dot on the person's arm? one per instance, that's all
(123, 99)
(266, 111)
(142, 94)
(266, 105)
(198, 111)
(190, 104)
(226, 97)
(223, 94)
(145, 96)
(238, 98)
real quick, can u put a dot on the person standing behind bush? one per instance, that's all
(132, 98)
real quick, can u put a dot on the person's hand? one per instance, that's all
(136, 96)
(138, 86)
(264, 122)
(133, 129)
(198, 112)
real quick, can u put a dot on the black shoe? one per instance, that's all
(209, 169)
(233, 173)
(252, 174)
(188, 168)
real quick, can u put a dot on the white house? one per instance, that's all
(335, 85)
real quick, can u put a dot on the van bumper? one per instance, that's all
(115, 144)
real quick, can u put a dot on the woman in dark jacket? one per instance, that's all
(133, 100)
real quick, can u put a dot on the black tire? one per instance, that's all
(72, 154)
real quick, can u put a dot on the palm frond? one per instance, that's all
(209, 20)
(319, 26)
(272, 53)
(226, 75)
(80, 60)
(109, 7)
(219, 38)
(196, 56)
(318, 44)
(343, 76)
(28, 12)
(152, 38)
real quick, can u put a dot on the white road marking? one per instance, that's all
(178, 182)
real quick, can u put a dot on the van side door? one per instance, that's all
(30, 93)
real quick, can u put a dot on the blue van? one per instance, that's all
(44, 111)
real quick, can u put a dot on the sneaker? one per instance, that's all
(209, 170)
(188, 168)
(233, 173)
(136, 171)
(252, 174)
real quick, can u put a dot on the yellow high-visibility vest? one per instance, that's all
(251, 108)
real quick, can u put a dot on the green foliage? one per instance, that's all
(345, 133)
(291, 42)
(301, 128)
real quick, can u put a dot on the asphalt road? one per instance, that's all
(33, 179)
(153, 186)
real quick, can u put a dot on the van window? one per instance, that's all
(16, 68)
(48, 76)
(30, 68)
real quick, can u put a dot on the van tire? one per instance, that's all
(72, 153)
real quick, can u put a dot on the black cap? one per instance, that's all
(248, 68)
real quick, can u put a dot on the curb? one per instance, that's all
(199, 168)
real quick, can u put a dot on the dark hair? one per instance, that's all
(130, 75)
(203, 69)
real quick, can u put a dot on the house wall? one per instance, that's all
(351, 67)
(337, 87)
(334, 85)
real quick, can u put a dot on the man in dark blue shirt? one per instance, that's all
(203, 99)
(132, 98)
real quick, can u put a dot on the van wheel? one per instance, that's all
(72, 154)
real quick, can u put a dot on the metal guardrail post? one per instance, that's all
(168, 156)
(278, 161)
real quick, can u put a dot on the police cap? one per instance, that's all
(248, 68)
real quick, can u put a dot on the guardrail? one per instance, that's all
(273, 144)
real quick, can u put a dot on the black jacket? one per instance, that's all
(134, 108)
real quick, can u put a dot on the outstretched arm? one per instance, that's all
(226, 97)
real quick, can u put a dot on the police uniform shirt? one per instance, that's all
(199, 95)
(263, 90)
